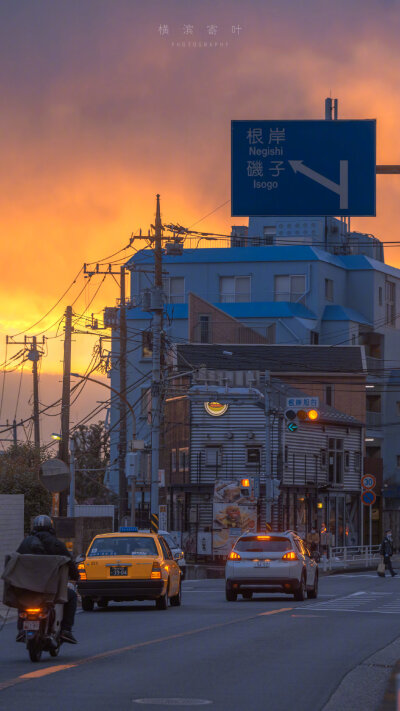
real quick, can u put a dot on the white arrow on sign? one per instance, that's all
(342, 189)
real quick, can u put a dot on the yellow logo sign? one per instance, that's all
(215, 408)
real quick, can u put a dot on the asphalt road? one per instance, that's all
(269, 654)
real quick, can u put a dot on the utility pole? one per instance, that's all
(157, 309)
(268, 474)
(123, 492)
(63, 451)
(33, 355)
(122, 436)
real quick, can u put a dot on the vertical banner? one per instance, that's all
(163, 517)
(233, 514)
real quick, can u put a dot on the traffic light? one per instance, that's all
(301, 415)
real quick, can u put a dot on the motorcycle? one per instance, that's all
(42, 629)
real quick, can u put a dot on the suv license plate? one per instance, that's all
(262, 564)
(31, 625)
(118, 571)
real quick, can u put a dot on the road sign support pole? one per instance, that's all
(370, 527)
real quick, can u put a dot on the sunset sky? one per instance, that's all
(100, 110)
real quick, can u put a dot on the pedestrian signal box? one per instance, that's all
(245, 487)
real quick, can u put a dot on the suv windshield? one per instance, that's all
(169, 540)
(260, 544)
(131, 545)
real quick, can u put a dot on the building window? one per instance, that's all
(329, 390)
(173, 460)
(314, 338)
(269, 234)
(183, 455)
(398, 460)
(290, 287)
(390, 292)
(357, 461)
(346, 460)
(270, 333)
(253, 455)
(234, 289)
(329, 289)
(147, 344)
(335, 461)
(205, 328)
(213, 457)
(398, 407)
(323, 458)
(286, 454)
(380, 295)
(174, 290)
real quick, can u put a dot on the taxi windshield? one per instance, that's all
(129, 545)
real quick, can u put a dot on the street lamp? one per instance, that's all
(122, 475)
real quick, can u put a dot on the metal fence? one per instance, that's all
(342, 557)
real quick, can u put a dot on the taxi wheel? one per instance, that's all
(176, 600)
(162, 602)
(87, 604)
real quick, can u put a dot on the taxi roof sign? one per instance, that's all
(128, 529)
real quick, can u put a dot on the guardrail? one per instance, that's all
(342, 557)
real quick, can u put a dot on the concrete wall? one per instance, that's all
(11, 530)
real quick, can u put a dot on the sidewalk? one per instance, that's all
(199, 571)
(370, 686)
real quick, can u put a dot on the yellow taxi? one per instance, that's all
(129, 565)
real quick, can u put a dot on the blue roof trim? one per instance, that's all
(296, 253)
(175, 311)
(266, 309)
(302, 253)
(334, 312)
(251, 309)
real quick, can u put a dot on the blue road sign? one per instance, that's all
(303, 167)
(292, 426)
(368, 497)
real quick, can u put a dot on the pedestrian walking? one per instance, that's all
(386, 550)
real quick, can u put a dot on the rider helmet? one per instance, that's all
(43, 523)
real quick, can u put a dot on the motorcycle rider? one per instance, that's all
(43, 541)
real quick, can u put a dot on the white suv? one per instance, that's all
(273, 562)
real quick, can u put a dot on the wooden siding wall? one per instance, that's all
(304, 446)
(243, 426)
